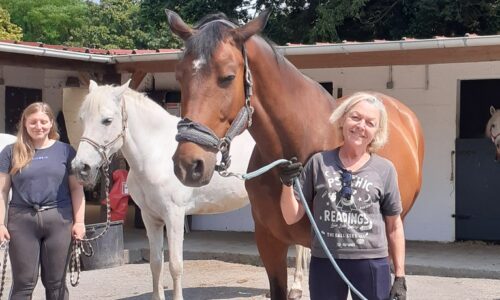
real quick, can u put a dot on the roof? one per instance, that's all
(407, 51)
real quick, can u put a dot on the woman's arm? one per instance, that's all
(78, 202)
(291, 209)
(4, 199)
(396, 239)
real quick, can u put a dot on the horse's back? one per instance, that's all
(405, 148)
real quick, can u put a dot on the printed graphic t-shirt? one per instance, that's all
(352, 228)
(44, 181)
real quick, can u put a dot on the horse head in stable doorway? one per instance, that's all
(493, 130)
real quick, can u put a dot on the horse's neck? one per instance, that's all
(149, 127)
(289, 107)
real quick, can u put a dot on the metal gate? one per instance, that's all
(477, 184)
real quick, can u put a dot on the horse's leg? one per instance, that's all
(175, 236)
(154, 230)
(301, 266)
(273, 253)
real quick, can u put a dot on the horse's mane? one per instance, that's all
(93, 100)
(205, 44)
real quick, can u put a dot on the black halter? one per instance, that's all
(188, 130)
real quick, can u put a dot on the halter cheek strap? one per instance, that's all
(188, 130)
(103, 149)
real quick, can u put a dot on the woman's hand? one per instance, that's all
(78, 231)
(4, 233)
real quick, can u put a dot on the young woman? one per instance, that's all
(47, 207)
(356, 204)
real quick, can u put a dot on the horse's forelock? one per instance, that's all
(210, 34)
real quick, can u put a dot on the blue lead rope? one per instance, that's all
(296, 182)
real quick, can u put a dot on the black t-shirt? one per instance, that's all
(44, 181)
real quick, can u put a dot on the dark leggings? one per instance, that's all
(39, 240)
(371, 277)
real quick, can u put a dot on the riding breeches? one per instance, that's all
(40, 242)
(371, 277)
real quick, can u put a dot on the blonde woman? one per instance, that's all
(47, 206)
(355, 201)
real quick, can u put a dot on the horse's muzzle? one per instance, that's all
(193, 170)
(84, 173)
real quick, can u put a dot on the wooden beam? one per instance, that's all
(147, 66)
(84, 79)
(399, 57)
(137, 78)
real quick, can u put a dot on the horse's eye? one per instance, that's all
(492, 125)
(227, 79)
(107, 121)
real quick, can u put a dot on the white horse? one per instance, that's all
(119, 118)
(6, 139)
(493, 129)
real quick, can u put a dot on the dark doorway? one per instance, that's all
(477, 209)
(16, 100)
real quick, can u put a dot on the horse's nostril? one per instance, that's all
(197, 170)
(85, 170)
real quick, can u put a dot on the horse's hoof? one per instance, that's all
(295, 294)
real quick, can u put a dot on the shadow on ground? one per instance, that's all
(209, 293)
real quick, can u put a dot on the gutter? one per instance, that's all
(147, 57)
(346, 48)
(47, 52)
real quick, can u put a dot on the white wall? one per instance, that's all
(436, 108)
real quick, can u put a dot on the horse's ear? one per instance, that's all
(492, 110)
(254, 26)
(92, 85)
(118, 92)
(178, 26)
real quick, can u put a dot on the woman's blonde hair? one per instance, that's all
(24, 150)
(338, 117)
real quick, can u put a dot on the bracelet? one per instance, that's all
(3, 225)
(79, 223)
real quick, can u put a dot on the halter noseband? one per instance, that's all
(188, 130)
(101, 149)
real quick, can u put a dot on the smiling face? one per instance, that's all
(361, 124)
(38, 126)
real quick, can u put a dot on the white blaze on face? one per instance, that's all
(198, 63)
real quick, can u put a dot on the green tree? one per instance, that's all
(109, 24)
(48, 21)
(9, 31)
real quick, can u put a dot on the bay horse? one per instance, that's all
(492, 130)
(226, 69)
(119, 118)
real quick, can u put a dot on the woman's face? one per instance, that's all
(361, 124)
(38, 125)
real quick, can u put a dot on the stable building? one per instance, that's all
(449, 83)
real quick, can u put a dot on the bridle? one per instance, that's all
(188, 130)
(102, 149)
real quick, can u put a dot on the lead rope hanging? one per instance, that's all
(5, 247)
(84, 246)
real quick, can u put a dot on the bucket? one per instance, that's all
(108, 249)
